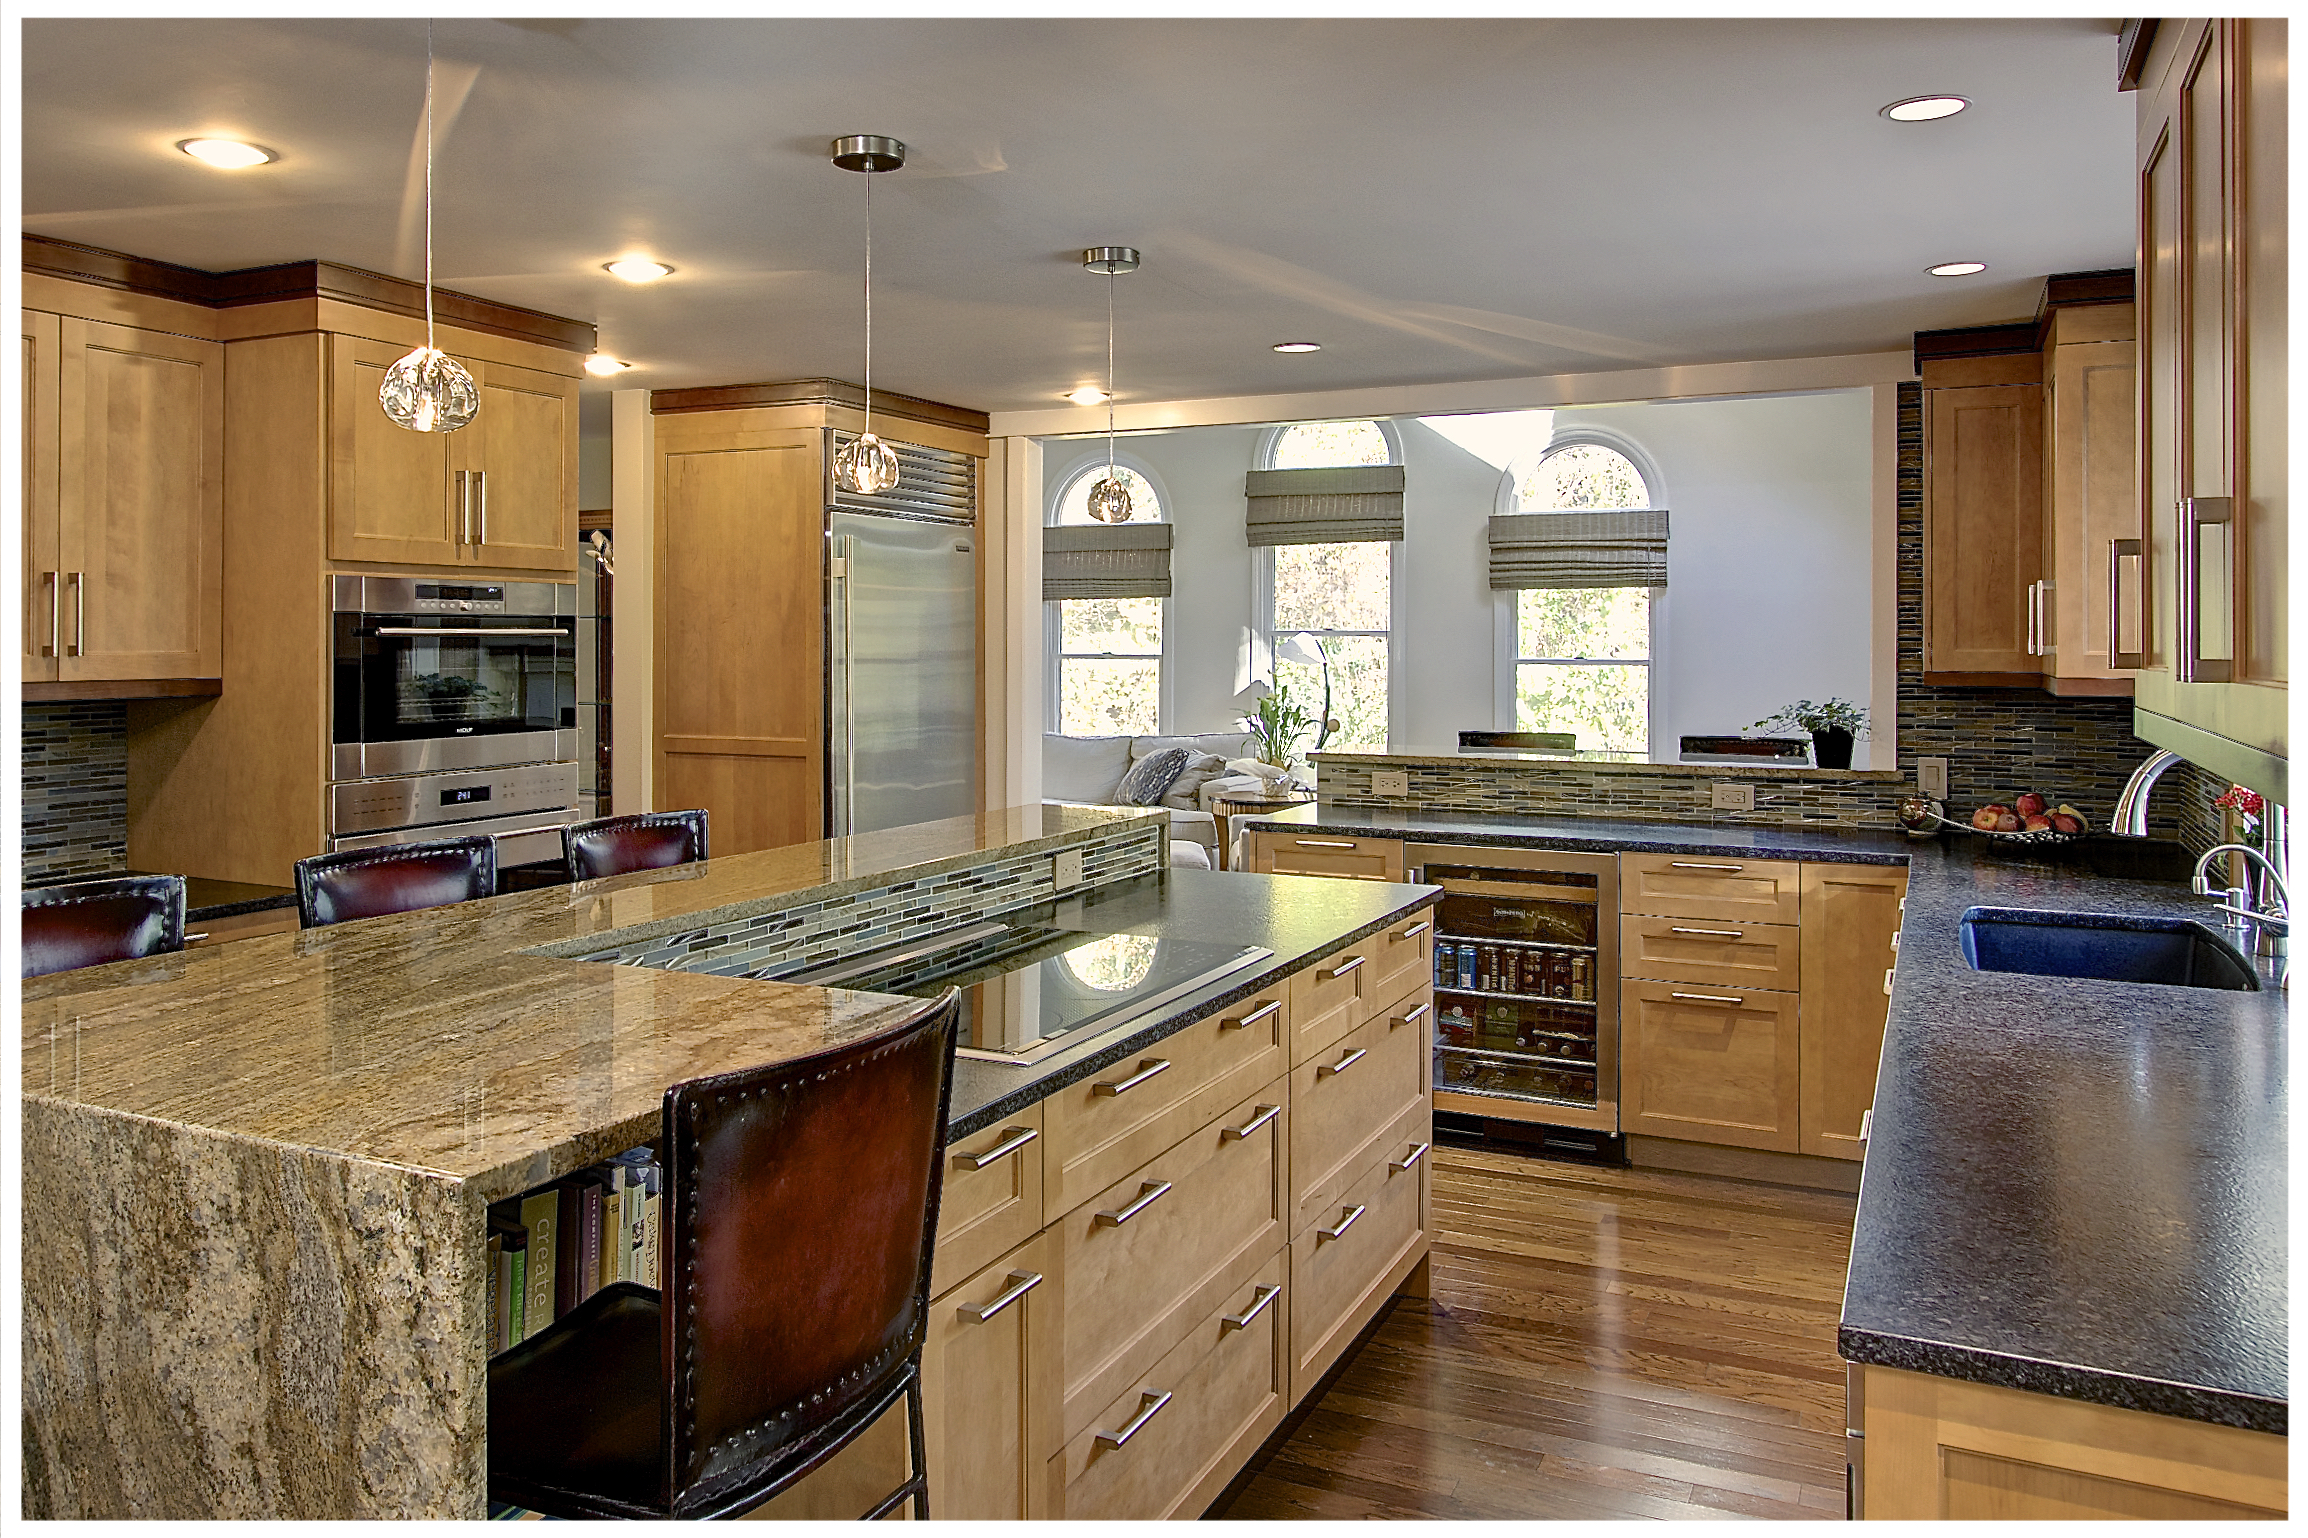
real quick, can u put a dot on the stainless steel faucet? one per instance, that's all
(2276, 927)
(2131, 818)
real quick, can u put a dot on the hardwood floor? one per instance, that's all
(1600, 1344)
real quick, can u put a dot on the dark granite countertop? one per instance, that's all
(1299, 918)
(2072, 1187)
(203, 899)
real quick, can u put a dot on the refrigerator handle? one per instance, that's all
(845, 550)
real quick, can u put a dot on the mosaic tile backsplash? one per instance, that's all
(850, 925)
(1664, 793)
(75, 789)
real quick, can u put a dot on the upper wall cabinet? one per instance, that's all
(2211, 187)
(1982, 530)
(123, 503)
(500, 492)
(2088, 609)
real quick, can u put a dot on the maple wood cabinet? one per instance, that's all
(1982, 528)
(2090, 602)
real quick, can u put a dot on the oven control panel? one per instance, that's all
(418, 800)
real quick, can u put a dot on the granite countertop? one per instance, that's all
(2072, 1187)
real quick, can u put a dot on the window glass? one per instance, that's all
(1357, 689)
(1109, 666)
(1582, 665)
(1074, 502)
(1331, 587)
(1317, 445)
(1581, 477)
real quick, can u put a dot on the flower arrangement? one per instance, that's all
(1276, 726)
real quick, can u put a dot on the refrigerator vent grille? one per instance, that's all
(932, 483)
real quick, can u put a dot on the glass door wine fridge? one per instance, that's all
(1526, 984)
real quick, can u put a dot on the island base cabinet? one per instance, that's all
(990, 1369)
(1943, 1449)
(1168, 1443)
(1353, 1100)
(992, 1199)
(1353, 1255)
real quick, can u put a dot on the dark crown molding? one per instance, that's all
(816, 392)
(2062, 290)
(2132, 46)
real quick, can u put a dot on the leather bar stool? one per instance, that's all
(399, 878)
(804, 1203)
(611, 846)
(87, 923)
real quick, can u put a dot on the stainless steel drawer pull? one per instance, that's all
(1866, 1123)
(1146, 1070)
(1701, 865)
(1415, 930)
(1413, 1018)
(1343, 1064)
(1266, 1113)
(1265, 1294)
(1013, 1139)
(1887, 971)
(1417, 1152)
(1895, 939)
(1710, 998)
(472, 630)
(1326, 843)
(1150, 1404)
(1237, 1022)
(1022, 1282)
(193, 939)
(1344, 1224)
(1339, 971)
(1727, 934)
(1148, 1194)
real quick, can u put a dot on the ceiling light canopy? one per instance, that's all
(1298, 347)
(1088, 395)
(601, 366)
(636, 269)
(1922, 109)
(1956, 269)
(227, 154)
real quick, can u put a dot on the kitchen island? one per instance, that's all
(256, 1175)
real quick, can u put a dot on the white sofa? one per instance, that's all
(1087, 770)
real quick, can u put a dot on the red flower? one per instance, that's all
(2238, 799)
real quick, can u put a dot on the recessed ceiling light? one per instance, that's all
(1298, 347)
(636, 269)
(1086, 396)
(1956, 269)
(227, 154)
(602, 366)
(1922, 109)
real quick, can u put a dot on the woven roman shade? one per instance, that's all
(1324, 507)
(1627, 549)
(1118, 560)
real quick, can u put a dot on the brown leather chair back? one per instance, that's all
(611, 846)
(401, 878)
(797, 1276)
(87, 923)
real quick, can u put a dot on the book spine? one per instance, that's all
(541, 1216)
(630, 1192)
(569, 1252)
(516, 1282)
(652, 1227)
(589, 1262)
(493, 1306)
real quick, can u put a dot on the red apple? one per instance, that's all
(2009, 822)
(2067, 822)
(2031, 805)
(1985, 817)
(2038, 824)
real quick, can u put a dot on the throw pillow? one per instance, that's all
(1149, 778)
(1200, 769)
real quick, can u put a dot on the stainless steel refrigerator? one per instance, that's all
(902, 646)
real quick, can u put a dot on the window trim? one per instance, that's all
(1506, 661)
(1263, 458)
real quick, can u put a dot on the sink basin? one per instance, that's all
(2113, 947)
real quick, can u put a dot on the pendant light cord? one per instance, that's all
(1109, 371)
(869, 303)
(429, 183)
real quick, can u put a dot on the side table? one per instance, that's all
(1223, 807)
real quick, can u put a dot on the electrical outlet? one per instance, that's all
(1931, 777)
(1390, 782)
(1732, 796)
(1066, 869)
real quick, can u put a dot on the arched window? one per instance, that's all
(1579, 478)
(1341, 595)
(1106, 654)
(1319, 445)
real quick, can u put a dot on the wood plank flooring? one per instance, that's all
(1600, 1344)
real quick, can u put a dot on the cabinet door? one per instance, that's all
(1709, 1065)
(388, 487)
(520, 459)
(140, 503)
(1850, 913)
(42, 581)
(2089, 455)
(1982, 527)
(990, 1387)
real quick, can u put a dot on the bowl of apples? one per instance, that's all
(2029, 820)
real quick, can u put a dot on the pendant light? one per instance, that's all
(1110, 499)
(428, 391)
(865, 464)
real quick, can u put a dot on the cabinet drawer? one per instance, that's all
(1709, 1065)
(1338, 1283)
(1188, 1425)
(1346, 1100)
(992, 1198)
(1321, 854)
(1155, 1252)
(1401, 958)
(1104, 1126)
(1707, 887)
(1731, 955)
(1326, 999)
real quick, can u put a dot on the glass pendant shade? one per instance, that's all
(866, 465)
(1110, 501)
(429, 392)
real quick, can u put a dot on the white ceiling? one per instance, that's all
(1430, 200)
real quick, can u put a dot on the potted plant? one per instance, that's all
(1275, 726)
(1832, 725)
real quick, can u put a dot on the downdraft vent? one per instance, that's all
(932, 483)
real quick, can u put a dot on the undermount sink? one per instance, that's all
(2113, 947)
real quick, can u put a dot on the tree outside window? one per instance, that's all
(1107, 651)
(1583, 655)
(1342, 594)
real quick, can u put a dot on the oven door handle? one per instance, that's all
(468, 630)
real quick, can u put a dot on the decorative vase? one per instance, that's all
(1831, 749)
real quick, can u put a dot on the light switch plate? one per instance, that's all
(1732, 796)
(1931, 777)
(1066, 869)
(1390, 782)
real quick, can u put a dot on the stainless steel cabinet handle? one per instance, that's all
(2120, 551)
(1265, 1294)
(2035, 619)
(1326, 843)
(1013, 1139)
(1726, 934)
(79, 614)
(1887, 971)
(1022, 1282)
(1146, 1070)
(1866, 1123)
(1700, 865)
(1895, 939)
(1417, 1152)
(1148, 1194)
(1344, 1224)
(1709, 998)
(464, 508)
(464, 630)
(55, 612)
(1413, 1018)
(1325, 1070)
(2206, 632)
(1150, 1404)
(481, 486)
(1266, 1113)
(194, 939)
(1237, 1022)
(1339, 971)
(1415, 930)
